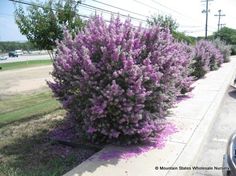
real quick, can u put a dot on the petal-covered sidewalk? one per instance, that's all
(193, 118)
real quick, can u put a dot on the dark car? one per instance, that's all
(229, 161)
(12, 54)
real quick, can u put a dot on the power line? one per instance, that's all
(84, 5)
(120, 8)
(168, 8)
(40, 6)
(94, 10)
(152, 7)
(147, 5)
(105, 10)
(27, 3)
(156, 2)
(108, 11)
(90, 7)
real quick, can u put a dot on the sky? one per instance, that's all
(187, 13)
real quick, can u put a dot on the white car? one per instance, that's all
(19, 52)
(3, 57)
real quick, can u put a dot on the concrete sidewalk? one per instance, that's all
(193, 118)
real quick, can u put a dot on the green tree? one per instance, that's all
(43, 23)
(226, 34)
(180, 36)
(10, 46)
(67, 16)
(163, 21)
(169, 22)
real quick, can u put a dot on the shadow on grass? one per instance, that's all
(38, 155)
(36, 116)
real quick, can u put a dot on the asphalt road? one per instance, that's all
(25, 58)
(215, 145)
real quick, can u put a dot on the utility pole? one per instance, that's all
(206, 11)
(219, 15)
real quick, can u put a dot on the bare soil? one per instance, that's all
(21, 80)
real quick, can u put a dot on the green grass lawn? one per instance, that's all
(24, 64)
(26, 149)
(25, 145)
(19, 107)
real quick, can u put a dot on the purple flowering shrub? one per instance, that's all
(185, 80)
(224, 49)
(207, 57)
(118, 81)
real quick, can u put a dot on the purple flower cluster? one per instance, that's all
(207, 57)
(118, 80)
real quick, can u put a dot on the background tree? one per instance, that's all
(169, 22)
(43, 23)
(163, 21)
(227, 34)
(180, 36)
(67, 16)
(10, 46)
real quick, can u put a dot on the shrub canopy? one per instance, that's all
(224, 49)
(207, 57)
(118, 81)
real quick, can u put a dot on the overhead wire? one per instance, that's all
(111, 12)
(103, 10)
(89, 7)
(40, 6)
(156, 2)
(144, 4)
(154, 8)
(125, 10)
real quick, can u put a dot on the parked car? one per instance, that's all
(3, 57)
(12, 54)
(229, 160)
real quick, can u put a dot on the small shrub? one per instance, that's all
(207, 57)
(117, 81)
(224, 49)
